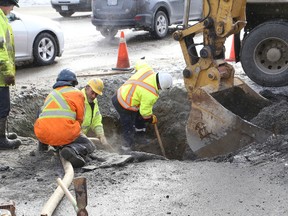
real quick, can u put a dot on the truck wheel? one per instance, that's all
(66, 13)
(108, 32)
(264, 55)
(160, 25)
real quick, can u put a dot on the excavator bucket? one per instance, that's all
(219, 122)
(222, 105)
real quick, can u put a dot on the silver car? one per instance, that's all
(37, 39)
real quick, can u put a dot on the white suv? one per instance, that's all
(68, 7)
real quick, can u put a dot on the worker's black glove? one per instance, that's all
(9, 80)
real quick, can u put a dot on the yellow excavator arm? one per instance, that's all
(222, 18)
(217, 122)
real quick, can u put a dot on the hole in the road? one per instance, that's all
(173, 114)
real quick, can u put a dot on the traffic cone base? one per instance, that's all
(123, 59)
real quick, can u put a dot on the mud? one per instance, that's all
(28, 177)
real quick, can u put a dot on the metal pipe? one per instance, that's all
(186, 13)
(58, 194)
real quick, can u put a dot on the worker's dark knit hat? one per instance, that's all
(9, 2)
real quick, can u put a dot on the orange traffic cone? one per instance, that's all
(232, 52)
(123, 59)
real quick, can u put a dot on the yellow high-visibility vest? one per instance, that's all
(92, 119)
(140, 92)
(7, 49)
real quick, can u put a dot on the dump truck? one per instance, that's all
(222, 105)
(262, 47)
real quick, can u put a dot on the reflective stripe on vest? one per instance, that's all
(84, 127)
(127, 104)
(63, 111)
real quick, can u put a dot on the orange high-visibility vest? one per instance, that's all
(62, 114)
(140, 92)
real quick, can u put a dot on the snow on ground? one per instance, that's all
(27, 3)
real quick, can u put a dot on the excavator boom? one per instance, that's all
(218, 122)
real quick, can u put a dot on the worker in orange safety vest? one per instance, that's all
(60, 119)
(135, 99)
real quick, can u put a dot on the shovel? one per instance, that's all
(80, 187)
(159, 140)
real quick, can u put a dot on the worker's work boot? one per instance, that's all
(125, 150)
(6, 143)
(72, 155)
(11, 135)
(141, 138)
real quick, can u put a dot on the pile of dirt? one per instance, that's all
(272, 118)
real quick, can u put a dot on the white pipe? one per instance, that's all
(68, 194)
(58, 194)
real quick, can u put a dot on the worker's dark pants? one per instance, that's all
(128, 120)
(82, 145)
(4, 102)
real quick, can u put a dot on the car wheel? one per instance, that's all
(108, 32)
(66, 13)
(44, 49)
(160, 25)
(264, 55)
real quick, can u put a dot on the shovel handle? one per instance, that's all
(159, 140)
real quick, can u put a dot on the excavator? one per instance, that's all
(222, 105)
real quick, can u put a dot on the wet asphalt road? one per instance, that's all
(86, 50)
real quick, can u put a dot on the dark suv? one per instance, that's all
(68, 7)
(151, 15)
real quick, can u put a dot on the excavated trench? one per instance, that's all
(172, 110)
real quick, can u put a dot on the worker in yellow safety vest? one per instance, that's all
(7, 74)
(93, 118)
(60, 119)
(135, 99)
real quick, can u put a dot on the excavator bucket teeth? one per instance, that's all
(219, 122)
